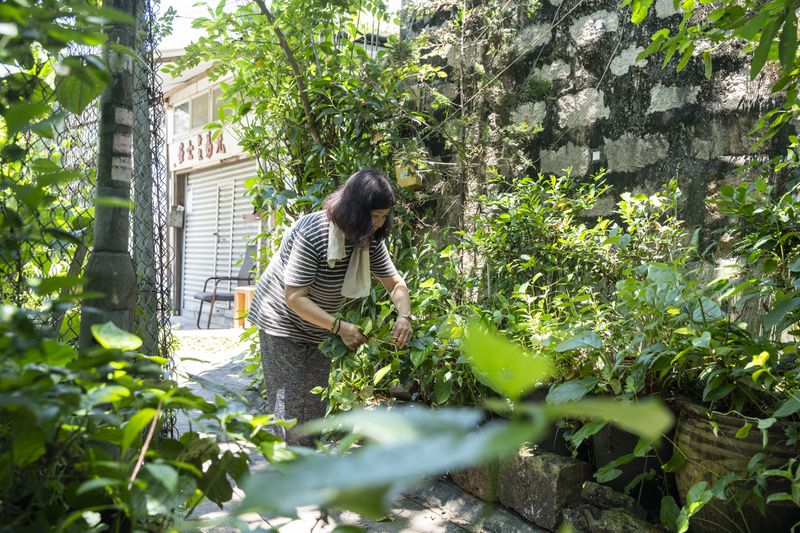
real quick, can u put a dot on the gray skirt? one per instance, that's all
(291, 370)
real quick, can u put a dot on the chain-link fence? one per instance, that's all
(150, 247)
(67, 223)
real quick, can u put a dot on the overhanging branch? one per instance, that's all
(298, 76)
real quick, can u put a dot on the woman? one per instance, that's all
(325, 256)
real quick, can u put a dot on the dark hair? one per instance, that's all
(350, 206)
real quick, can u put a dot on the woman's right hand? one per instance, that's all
(351, 335)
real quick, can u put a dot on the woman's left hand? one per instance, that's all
(402, 332)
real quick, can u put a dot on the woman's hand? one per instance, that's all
(402, 331)
(351, 336)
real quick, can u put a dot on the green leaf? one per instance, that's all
(113, 201)
(787, 46)
(647, 418)
(675, 462)
(571, 390)
(669, 512)
(443, 389)
(703, 341)
(165, 474)
(744, 431)
(605, 474)
(789, 407)
(714, 391)
(417, 357)
(19, 117)
(707, 63)
(101, 483)
(584, 339)
(687, 55)
(780, 310)
(366, 479)
(84, 83)
(379, 375)
(135, 426)
(707, 311)
(215, 484)
(398, 425)
(57, 353)
(503, 365)
(105, 394)
(27, 445)
(764, 45)
(349, 528)
(779, 497)
(111, 337)
(587, 430)
(639, 10)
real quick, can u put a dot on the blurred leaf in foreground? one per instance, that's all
(503, 365)
(366, 480)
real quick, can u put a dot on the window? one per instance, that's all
(181, 119)
(200, 111)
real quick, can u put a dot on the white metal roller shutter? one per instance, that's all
(216, 233)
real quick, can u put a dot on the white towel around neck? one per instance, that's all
(357, 278)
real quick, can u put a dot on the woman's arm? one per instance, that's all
(398, 292)
(298, 301)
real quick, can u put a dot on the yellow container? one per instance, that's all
(407, 176)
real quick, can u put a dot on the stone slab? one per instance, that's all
(538, 485)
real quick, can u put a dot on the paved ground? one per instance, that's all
(435, 507)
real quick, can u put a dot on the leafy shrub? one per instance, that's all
(80, 438)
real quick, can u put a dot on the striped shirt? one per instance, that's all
(301, 261)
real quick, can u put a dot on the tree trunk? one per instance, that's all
(109, 270)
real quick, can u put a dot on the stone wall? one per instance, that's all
(575, 83)
(552, 491)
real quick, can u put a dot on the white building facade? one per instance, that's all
(212, 220)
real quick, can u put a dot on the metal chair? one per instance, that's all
(244, 277)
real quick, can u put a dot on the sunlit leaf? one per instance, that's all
(503, 365)
(82, 84)
(400, 424)
(584, 339)
(648, 418)
(111, 337)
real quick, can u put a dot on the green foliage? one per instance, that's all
(43, 79)
(79, 438)
(405, 444)
(81, 444)
(348, 105)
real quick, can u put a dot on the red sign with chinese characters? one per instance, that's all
(200, 149)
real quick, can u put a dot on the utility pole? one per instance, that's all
(110, 269)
